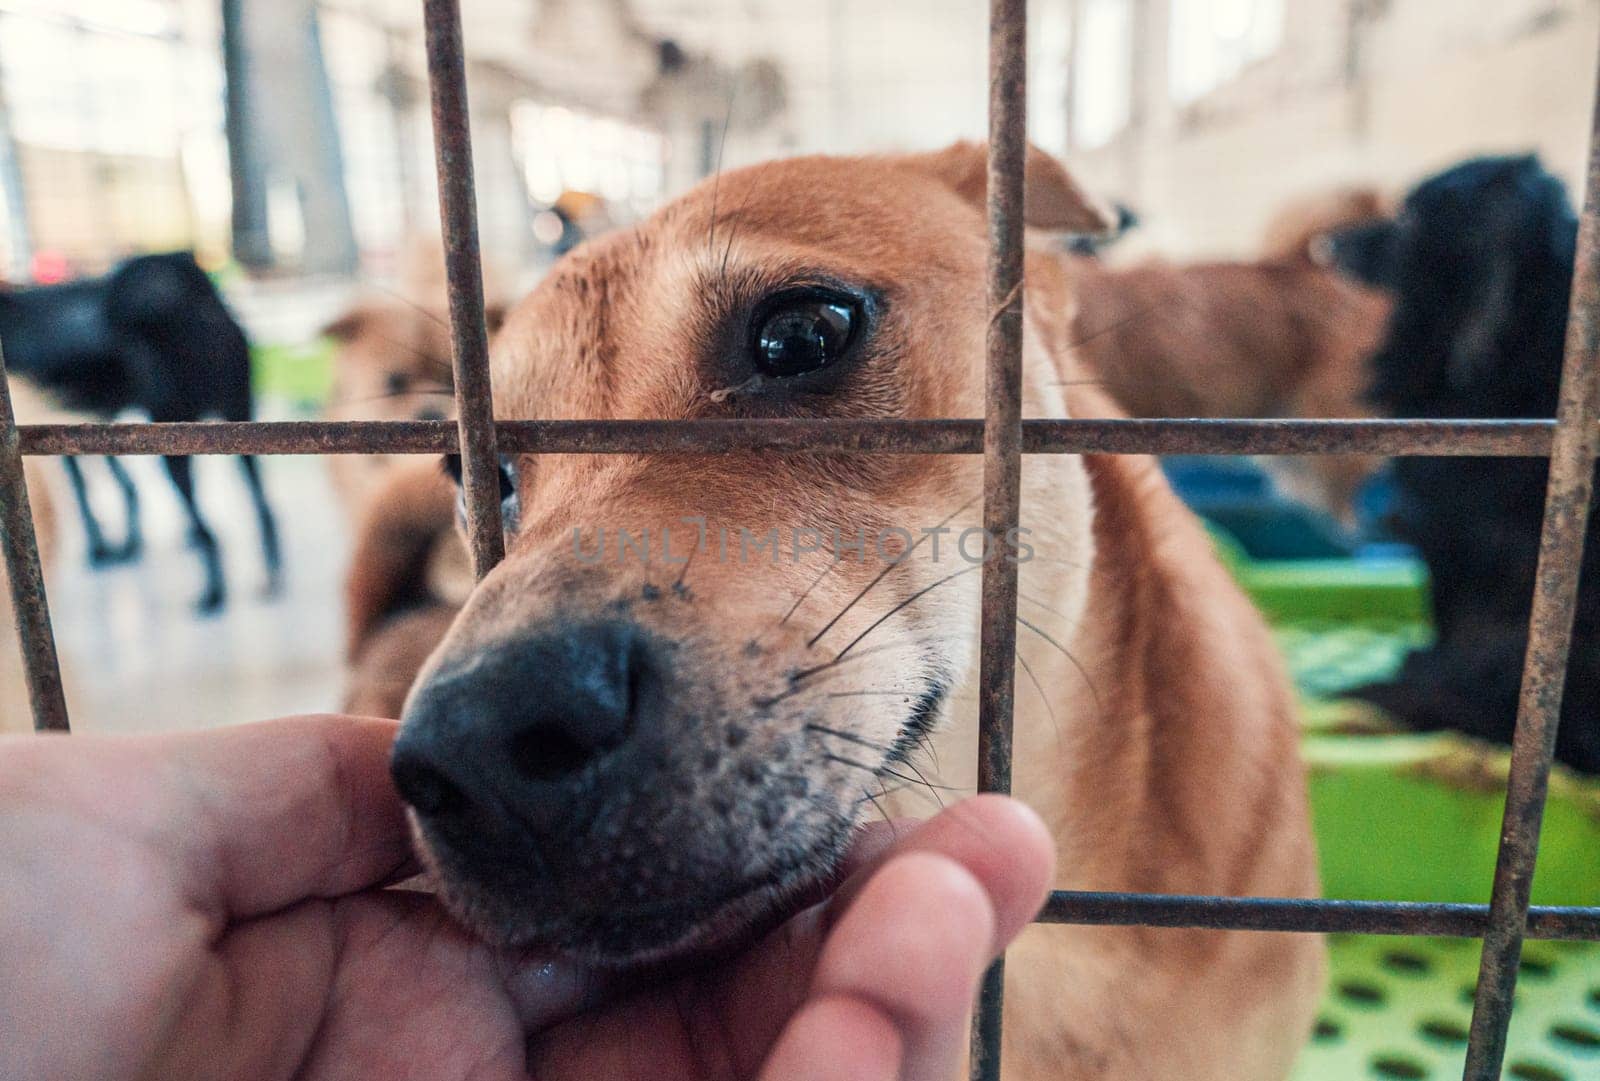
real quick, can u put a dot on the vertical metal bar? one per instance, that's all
(1002, 452)
(469, 335)
(1555, 596)
(30, 607)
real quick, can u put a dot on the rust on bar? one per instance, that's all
(1002, 428)
(1315, 916)
(30, 606)
(1555, 598)
(1002, 454)
(469, 333)
(1464, 438)
(243, 437)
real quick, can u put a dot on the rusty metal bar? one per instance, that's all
(1555, 599)
(1002, 454)
(469, 333)
(1296, 914)
(30, 606)
(1456, 438)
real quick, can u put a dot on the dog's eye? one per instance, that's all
(398, 382)
(801, 332)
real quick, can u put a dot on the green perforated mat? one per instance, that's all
(1398, 1010)
(1404, 816)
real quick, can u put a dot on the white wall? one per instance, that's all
(1423, 84)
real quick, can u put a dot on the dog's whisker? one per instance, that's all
(850, 762)
(1112, 328)
(814, 583)
(903, 643)
(1042, 605)
(436, 363)
(849, 737)
(1044, 698)
(716, 180)
(929, 785)
(1067, 653)
(889, 821)
(918, 595)
(862, 741)
(733, 227)
(677, 585)
(885, 771)
(831, 668)
(415, 392)
(884, 573)
(408, 302)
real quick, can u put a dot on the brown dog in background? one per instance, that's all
(409, 569)
(392, 362)
(1282, 336)
(632, 762)
(409, 573)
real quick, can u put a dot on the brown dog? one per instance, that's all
(1280, 337)
(632, 760)
(409, 573)
(391, 362)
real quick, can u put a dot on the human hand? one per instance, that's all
(214, 905)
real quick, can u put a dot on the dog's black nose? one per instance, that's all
(512, 734)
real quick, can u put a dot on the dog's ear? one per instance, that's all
(1052, 200)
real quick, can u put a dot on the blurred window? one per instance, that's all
(372, 128)
(112, 104)
(1049, 69)
(1212, 41)
(566, 149)
(1103, 96)
(88, 76)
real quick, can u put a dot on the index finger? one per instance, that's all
(245, 820)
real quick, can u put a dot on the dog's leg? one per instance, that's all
(100, 553)
(215, 591)
(268, 525)
(133, 539)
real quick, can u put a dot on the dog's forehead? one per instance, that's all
(633, 297)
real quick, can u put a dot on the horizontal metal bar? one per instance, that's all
(1296, 914)
(1459, 438)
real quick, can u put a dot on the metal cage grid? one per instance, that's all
(1002, 437)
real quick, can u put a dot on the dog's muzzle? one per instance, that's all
(571, 792)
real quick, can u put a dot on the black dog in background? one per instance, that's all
(153, 335)
(1480, 261)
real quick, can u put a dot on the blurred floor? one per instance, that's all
(135, 655)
